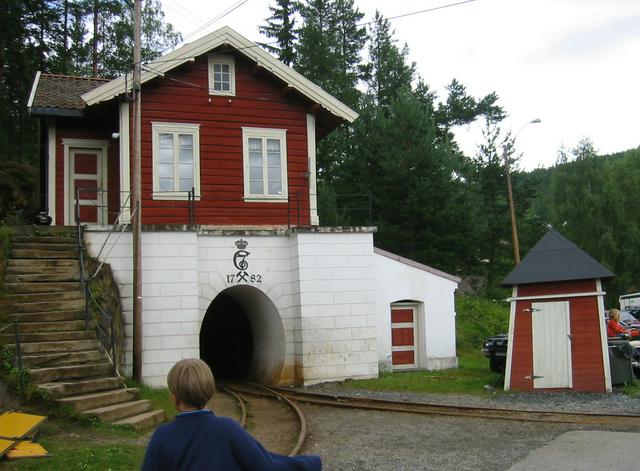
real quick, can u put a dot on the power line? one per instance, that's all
(404, 15)
(218, 17)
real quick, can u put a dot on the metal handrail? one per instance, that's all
(18, 350)
(88, 294)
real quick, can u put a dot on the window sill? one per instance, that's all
(177, 196)
(216, 93)
(266, 199)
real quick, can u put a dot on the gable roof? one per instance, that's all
(60, 95)
(414, 264)
(555, 258)
(225, 36)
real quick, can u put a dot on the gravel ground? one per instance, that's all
(369, 440)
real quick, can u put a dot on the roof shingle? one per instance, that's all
(555, 258)
(63, 91)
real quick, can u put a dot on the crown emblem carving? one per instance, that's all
(241, 244)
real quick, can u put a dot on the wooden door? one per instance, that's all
(551, 332)
(403, 337)
(87, 174)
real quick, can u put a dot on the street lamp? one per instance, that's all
(512, 209)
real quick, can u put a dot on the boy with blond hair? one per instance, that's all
(199, 440)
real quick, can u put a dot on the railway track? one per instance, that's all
(252, 408)
(246, 395)
(611, 420)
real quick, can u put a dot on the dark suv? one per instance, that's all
(495, 349)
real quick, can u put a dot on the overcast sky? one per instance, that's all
(574, 64)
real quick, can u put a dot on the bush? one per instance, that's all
(477, 318)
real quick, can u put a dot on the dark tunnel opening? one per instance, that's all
(226, 339)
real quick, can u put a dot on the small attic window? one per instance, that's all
(222, 75)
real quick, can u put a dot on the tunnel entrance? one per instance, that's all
(242, 336)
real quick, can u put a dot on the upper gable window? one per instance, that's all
(222, 75)
(176, 160)
(265, 164)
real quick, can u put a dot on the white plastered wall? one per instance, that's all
(434, 297)
(321, 284)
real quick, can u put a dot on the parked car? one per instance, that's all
(495, 349)
(630, 317)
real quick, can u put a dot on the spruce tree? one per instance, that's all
(281, 27)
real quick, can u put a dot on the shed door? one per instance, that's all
(551, 345)
(86, 176)
(403, 337)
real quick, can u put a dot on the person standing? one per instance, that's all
(199, 440)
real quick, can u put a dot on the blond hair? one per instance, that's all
(614, 314)
(191, 381)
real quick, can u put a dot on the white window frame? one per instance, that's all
(175, 128)
(223, 60)
(265, 133)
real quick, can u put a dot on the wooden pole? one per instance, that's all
(136, 223)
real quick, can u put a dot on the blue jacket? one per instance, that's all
(199, 440)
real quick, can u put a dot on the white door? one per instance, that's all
(551, 345)
(86, 179)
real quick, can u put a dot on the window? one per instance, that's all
(176, 160)
(222, 76)
(265, 163)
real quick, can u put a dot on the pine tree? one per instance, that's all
(281, 26)
(388, 70)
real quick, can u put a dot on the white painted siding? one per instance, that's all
(434, 295)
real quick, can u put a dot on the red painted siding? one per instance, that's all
(560, 287)
(182, 97)
(586, 347)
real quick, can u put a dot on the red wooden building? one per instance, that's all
(557, 332)
(228, 139)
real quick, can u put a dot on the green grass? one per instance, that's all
(80, 445)
(470, 378)
(160, 398)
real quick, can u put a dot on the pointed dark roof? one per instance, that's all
(555, 258)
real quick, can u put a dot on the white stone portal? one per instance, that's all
(314, 303)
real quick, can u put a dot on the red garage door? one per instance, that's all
(403, 337)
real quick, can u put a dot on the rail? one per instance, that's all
(16, 332)
(611, 420)
(106, 207)
(104, 321)
(236, 389)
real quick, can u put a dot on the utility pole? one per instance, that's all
(136, 209)
(512, 209)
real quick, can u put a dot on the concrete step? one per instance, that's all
(21, 263)
(120, 411)
(53, 304)
(49, 253)
(50, 360)
(90, 370)
(143, 421)
(66, 275)
(47, 316)
(43, 240)
(81, 386)
(65, 346)
(44, 297)
(29, 242)
(59, 245)
(50, 336)
(43, 327)
(24, 288)
(100, 399)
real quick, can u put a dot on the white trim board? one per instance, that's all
(556, 296)
(225, 36)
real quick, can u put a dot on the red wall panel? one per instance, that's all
(182, 96)
(586, 347)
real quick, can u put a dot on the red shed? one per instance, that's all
(557, 332)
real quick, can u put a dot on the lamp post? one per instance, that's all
(512, 209)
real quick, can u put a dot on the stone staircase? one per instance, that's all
(44, 294)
